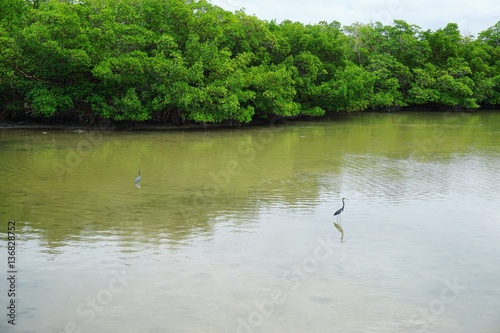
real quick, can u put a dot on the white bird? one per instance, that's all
(138, 179)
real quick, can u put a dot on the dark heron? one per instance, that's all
(138, 179)
(340, 210)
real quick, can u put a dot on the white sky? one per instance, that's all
(472, 17)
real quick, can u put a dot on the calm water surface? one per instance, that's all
(233, 230)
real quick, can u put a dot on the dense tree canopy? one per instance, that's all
(187, 60)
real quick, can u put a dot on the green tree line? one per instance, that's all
(187, 60)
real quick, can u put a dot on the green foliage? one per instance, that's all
(391, 80)
(451, 86)
(349, 90)
(187, 60)
(7, 55)
(47, 102)
(12, 12)
(275, 91)
(129, 107)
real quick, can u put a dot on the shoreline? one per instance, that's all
(106, 124)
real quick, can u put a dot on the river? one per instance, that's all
(232, 230)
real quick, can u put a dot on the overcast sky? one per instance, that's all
(472, 17)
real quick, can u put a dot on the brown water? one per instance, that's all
(233, 230)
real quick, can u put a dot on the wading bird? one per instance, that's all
(340, 210)
(138, 179)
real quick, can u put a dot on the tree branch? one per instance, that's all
(26, 75)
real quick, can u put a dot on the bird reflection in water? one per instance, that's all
(340, 229)
(137, 181)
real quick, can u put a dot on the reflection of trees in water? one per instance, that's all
(187, 190)
(152, 218)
